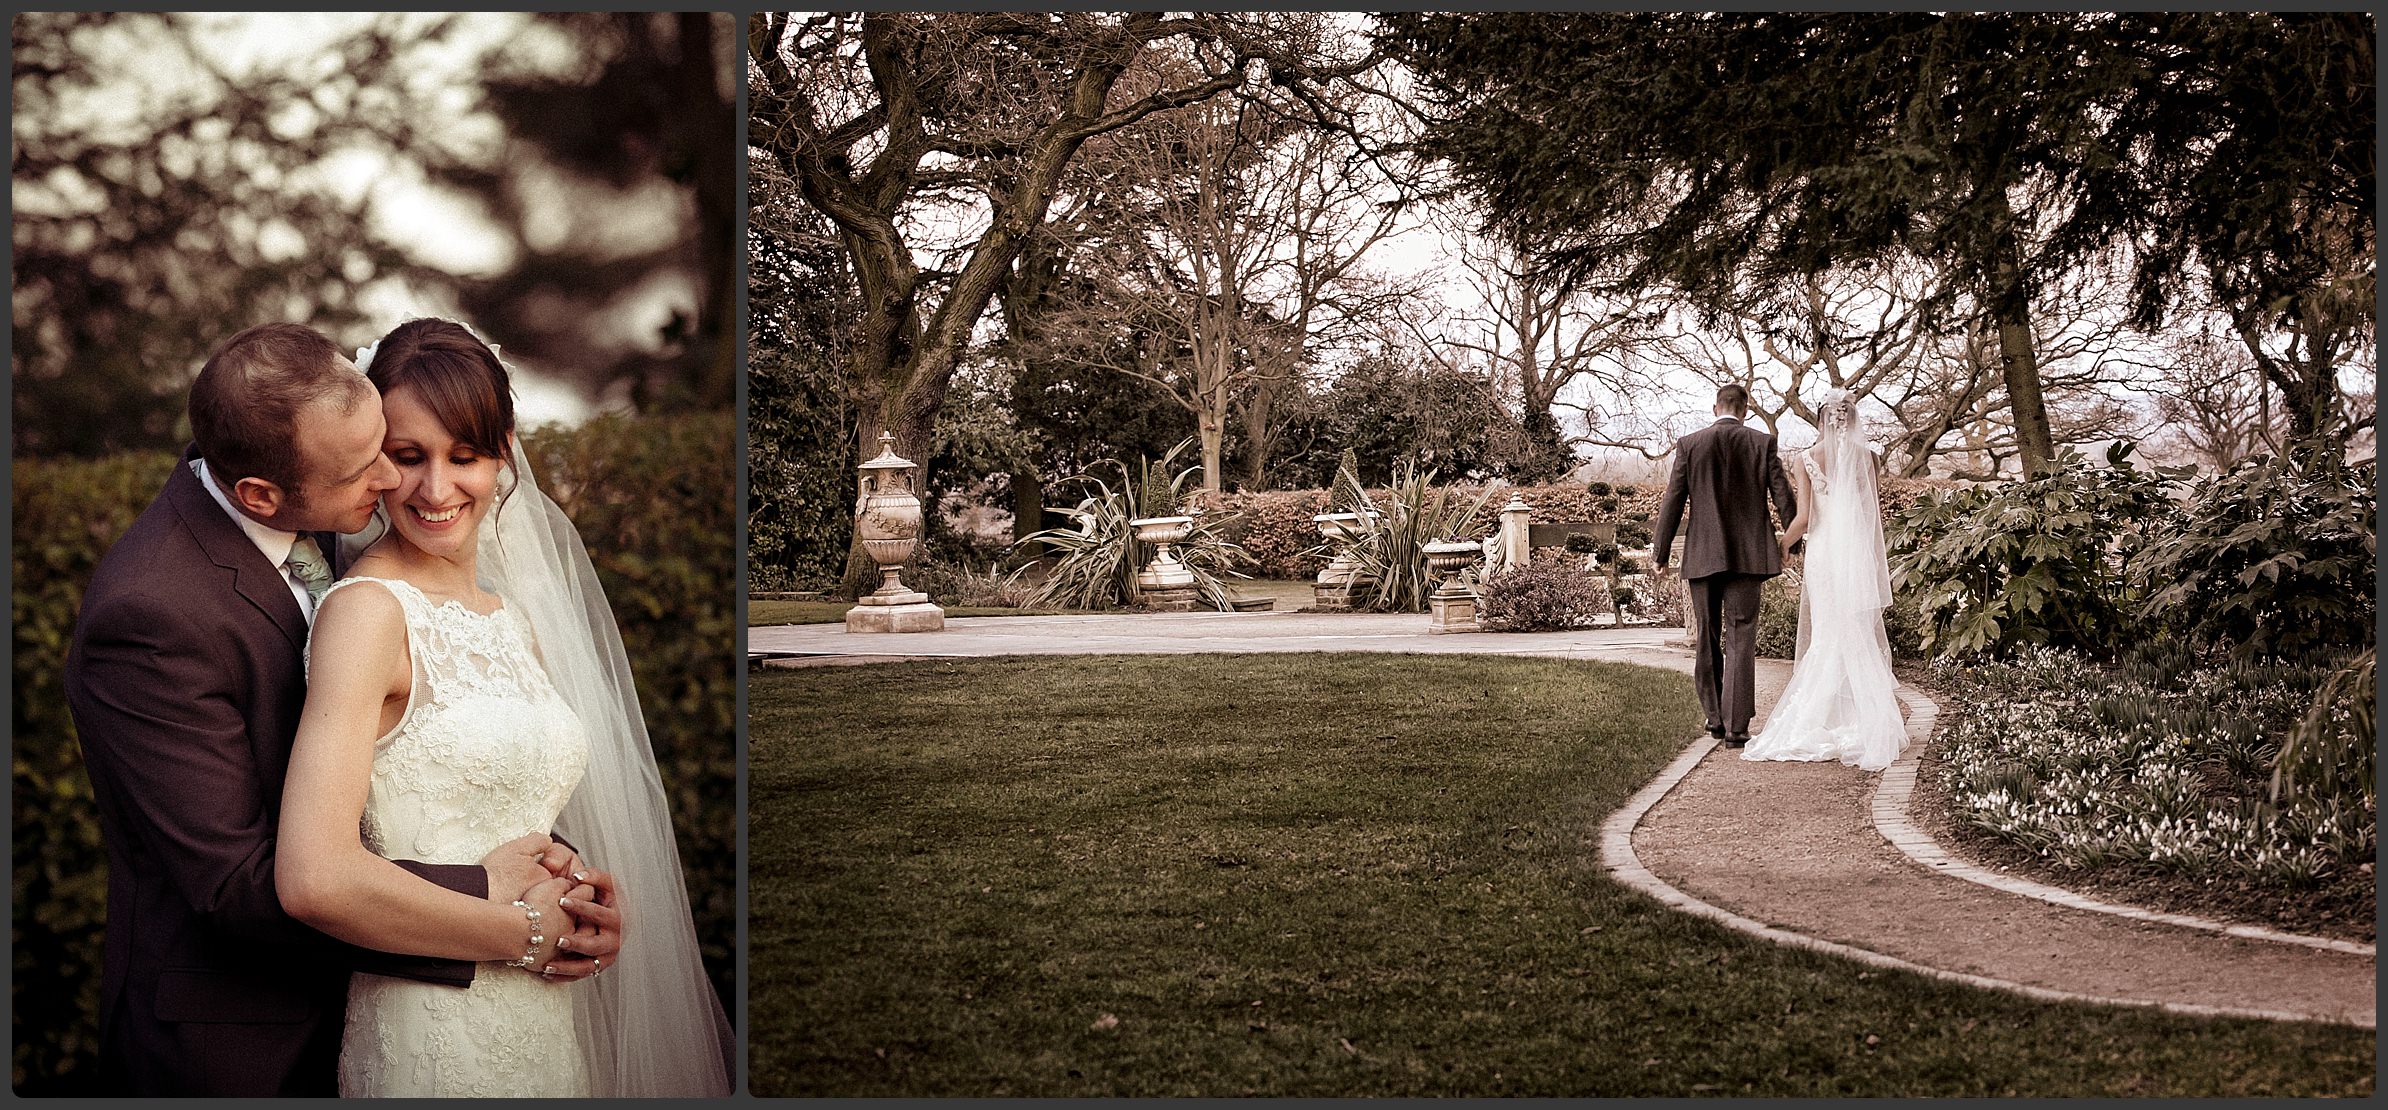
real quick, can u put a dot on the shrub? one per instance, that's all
(654, 501)
(1097, 559)
(1392, 549)
(1545, 595)
(1276, 529)
(1778, 616)
(1662, 599)
(1633, 533)
(67, 513)
(2271, 559)
(1581, 544)
(1993, 569)
(1597, 488)
(991, 589)
(941, 580)
(800, 471)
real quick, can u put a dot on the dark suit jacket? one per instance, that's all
(1726, 471)
(185, 680)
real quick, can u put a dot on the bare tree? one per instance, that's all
(1227, 238)
(1337, 212)
(2215, 405)
(909, 127)
(1951, 404)
(1536, 333)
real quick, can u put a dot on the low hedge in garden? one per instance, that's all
(1276, 525)
(653, 500)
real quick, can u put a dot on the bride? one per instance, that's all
(1839, 703)
(467, 686)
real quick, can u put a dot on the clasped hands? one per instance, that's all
(578, 903)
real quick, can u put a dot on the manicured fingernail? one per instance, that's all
(564, 942)
(563, 901)
(580, 876)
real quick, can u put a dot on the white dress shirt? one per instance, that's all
(273, 543)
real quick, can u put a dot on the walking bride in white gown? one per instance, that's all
(467, 686)
(1840, 703)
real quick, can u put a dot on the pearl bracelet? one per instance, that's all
(530, 953)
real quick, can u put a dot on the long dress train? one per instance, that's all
(1840, 703)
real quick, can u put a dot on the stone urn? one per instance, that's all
(1452, 605)
(1166, 582)
(887, 518)
(1333, 589)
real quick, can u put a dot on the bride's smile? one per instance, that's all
(444, 485)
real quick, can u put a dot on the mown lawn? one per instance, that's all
(1326, 875)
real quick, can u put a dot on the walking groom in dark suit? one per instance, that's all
(185, 679)
(1726, 472)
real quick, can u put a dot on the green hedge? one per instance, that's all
(653, 500)
(1275, 525)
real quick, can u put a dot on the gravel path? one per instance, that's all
(1796, 847)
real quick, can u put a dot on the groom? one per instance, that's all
(185, 680)
(1727, 472)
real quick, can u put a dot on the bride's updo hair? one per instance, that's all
(1836, 409)
(455, 374)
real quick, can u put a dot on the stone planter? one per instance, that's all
(1452, 606)
(1333, 589)
(1166, 583)
(887, 518)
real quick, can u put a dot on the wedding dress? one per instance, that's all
(651, 1024)
(1840, 703)
(486, 751)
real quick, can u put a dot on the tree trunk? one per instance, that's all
(2033, 438)
(2010, 313)
(1259, 413)
(1214, 448)
(1028, 505)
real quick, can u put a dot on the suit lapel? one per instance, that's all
(255, 580)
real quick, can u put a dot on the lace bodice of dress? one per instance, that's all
(486, 750)
(1816, 479)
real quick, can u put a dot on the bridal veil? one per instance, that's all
(651, 1024)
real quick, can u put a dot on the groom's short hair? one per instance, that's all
(244, 407)
(1733, 398)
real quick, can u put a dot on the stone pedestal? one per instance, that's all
(1331, 597)
(905, 611)
(1452, 614)
(1516, 540)
(1171, 599)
